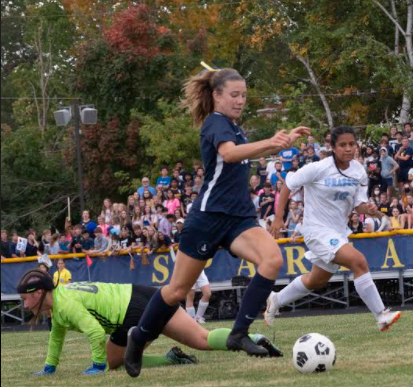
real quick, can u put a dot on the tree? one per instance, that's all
(170, 137)
(34, 188)
(406, 32)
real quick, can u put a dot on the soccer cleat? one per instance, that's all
(200, 320)
(177, 356)
(272, 309)
(133, 356)
(386, 319)
(272, 349)
(242, 342)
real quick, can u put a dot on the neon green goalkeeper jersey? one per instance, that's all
(95, 309)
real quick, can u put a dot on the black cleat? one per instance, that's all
(242, 342)
(273, 350)
(177, 356)
(133, 356)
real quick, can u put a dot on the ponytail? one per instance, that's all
(199, 90)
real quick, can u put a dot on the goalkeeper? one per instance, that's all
(97, 309)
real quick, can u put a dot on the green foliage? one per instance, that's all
(373, 133)
(170, 137)
(35, 182)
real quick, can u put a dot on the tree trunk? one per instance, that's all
(407, 34)
(313, 81)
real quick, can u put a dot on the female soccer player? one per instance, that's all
(99, 308)
(222, 215)
(333, 187)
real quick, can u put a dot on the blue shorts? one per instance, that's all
(205, 232)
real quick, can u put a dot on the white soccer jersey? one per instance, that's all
(329, 197)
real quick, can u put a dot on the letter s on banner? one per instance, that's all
(163, 270)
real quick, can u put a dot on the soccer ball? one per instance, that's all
(314, 353)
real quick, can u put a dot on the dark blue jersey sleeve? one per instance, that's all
(219, 130)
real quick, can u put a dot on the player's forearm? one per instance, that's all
(282, 202)
(57, 338)
(98, 347)
(238, 153)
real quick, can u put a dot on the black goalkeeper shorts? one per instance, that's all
(140, 298)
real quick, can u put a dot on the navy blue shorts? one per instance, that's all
(205, 232)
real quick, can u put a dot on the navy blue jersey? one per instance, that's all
(225, 187)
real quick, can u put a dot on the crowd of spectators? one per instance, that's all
(154, 215)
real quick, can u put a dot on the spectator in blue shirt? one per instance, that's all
(287, 156)
(64, 245)
(278, 174)
(164, 180)
(146, 187)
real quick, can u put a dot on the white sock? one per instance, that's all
(368, 292)
(191, 312)
(202, 307)
(293, 292)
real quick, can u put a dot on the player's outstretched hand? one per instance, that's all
(300, 131)
(280, 140)
(96, 369)
(276, 226)
(47, 370)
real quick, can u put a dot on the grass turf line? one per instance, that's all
(365, 358)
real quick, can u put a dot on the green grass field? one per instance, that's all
(365, 357)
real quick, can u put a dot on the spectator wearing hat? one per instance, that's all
(278, 173)
(146, 187)
(179, 227)
(388, 168)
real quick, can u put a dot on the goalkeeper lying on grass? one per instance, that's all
(97, 309)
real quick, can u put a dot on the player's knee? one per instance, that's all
(273, 262)
(359, 264)
(316, 283)
(178, 294)
(206, 295)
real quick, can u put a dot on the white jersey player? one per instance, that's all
(201, 283)
(333, 187)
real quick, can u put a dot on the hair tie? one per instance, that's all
(208, 67)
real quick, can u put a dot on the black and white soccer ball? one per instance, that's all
(314, 353)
